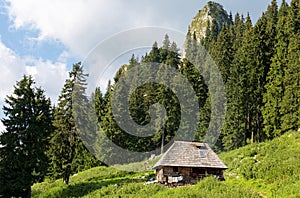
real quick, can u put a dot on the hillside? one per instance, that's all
(270, 169)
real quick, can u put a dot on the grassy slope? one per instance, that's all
(270, 169)
(273, 168)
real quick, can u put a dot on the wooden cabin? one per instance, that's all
(187, 163)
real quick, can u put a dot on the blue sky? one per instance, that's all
(44, 38)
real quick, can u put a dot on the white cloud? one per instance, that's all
(11, 67)
(50, 76)
(81, 24)
(2, 128)
(78, 24)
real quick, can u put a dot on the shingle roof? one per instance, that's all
(190, 154)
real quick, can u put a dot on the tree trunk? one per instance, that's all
(162, 142)
(250, 128)
(28, 192)
(246, 129)
(66, 177)
(258, 127)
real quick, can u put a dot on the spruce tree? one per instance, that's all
(108, 131)
(201, 90)
(274, 86)
(237, 31)
(290, 101)
(166, 43)
(98, 101)
(222, 52)
(28, 122)
(68, 154)
(190, 46)
(237, 122)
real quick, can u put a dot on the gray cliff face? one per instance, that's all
(212, 11)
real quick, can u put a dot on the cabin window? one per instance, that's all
(202, 153)
(175, 169)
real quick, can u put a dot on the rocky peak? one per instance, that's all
(211, 11)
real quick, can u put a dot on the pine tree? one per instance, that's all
(153, 56)
(107, 131)
(98, 101)
(236, 127)
(237, 31)
(271, 29)
(190, 46)
(222, 52)
(166, 43)
(263, 52)
(275, 86)
(68, 154)
(248, 76)
(193, 76)
(24, 144)
(290, 101)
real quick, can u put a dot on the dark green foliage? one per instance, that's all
(262, 89)
(68, 153)
(98, 101)
(28, 122)
(281, 110)
(259, 67)
(274, 85)
(222, 52)
(193, 76)
(290, 102)
(161, 60)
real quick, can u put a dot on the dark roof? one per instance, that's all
(190, 154)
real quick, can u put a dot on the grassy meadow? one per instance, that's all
(270, 169)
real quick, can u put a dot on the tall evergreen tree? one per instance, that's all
(24, 144)
(271, 27)
(68, 154)
(237, 31)
(166, 43)
(222, 52)
(275, 87)
(201, 90)
(108, 130)
(190, 46)
(290, 101)
(98, 101)
(236, 127)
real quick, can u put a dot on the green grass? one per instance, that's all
(270, 169)
(86, 182)
(273, 167)
(138, 166)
